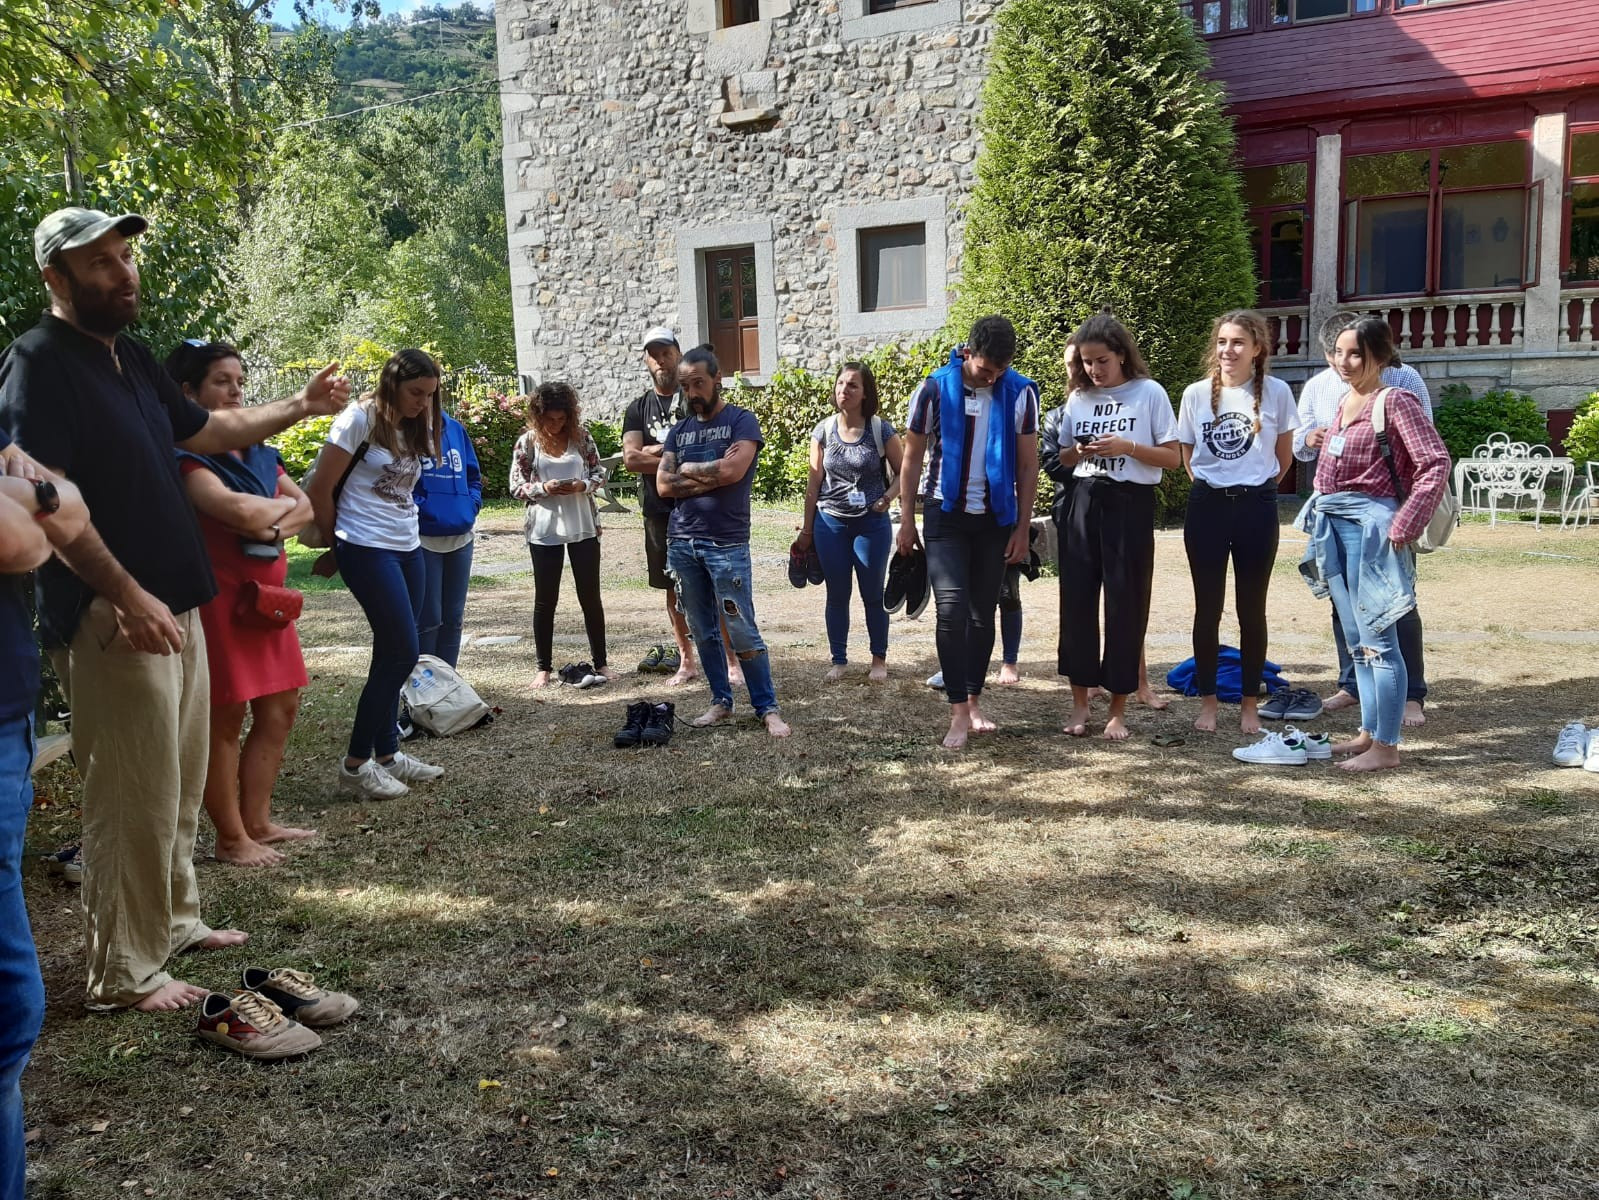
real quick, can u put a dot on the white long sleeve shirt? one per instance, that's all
(1322, 393)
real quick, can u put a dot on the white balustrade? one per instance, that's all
(1489, 321)
(1579, 320)
(1290, 333)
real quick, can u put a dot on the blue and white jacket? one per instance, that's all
(450, 490)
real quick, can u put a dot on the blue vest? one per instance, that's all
(999, 456)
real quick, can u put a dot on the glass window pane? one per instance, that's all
(1238, 15)
(1391, 247)
(1212, 20)
(1281, 13)
(746, 287)
(893, 267)
(1585, 232)
(724, 271)
(1387, 174)
(1365, 5)
(724, 304)
(1284, 273)
(1315, 10)
(1584, 155)
(1287, 183)
(1487, 165)
(1483, 241)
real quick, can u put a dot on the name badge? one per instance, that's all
(1335, 445)
(856, 499)
(973, 404)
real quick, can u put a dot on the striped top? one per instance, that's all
(966, 481)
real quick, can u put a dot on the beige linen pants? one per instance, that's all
(141, 739)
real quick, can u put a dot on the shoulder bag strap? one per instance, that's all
(1379, 425)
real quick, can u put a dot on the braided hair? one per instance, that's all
(1253, 324)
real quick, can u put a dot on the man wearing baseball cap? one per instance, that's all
(118, 607)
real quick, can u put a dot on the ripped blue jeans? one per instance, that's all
(1381, 679)
(713, 586)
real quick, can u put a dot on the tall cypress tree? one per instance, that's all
(1105, 177)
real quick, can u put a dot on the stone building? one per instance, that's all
(783, 178)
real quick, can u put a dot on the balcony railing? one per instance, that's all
(1579, 323)
(1492, 321)
(1290, 333)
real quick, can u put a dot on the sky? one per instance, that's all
(331, 16)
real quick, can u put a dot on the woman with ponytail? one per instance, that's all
(1236, 430)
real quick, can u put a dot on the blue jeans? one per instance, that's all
(438, 629)
(21, 989)
(388, 586)
(854, 548)
(1410, 649)
(1380, 675)
(1010, 616)
(713, 585)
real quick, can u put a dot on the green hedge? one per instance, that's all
(1582, 440)
(1464, 422)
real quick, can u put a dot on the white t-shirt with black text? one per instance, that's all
(376, 508)
(1227, 452)
(1138, 410)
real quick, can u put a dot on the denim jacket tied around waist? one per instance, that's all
(1385, 588)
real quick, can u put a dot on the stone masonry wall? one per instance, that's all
(617, 138)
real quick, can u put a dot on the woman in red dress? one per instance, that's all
(247, 506)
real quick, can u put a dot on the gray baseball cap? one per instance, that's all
(72, 228)
(661, 333)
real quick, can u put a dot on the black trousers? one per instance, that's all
(547, 564)
(966, 566)
(1238, 524)
(1107, 549)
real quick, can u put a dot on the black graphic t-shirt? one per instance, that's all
(653, 415)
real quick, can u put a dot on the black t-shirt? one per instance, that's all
(19, 656)
(653, 415)
(111, 432)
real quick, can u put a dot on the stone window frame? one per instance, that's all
(705, 16)
(860, 22)
(693, 305)
(849, 222)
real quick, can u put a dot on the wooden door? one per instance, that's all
(734, 316)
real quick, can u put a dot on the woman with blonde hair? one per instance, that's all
(555, 471)
(362, 496)
(1236, 430)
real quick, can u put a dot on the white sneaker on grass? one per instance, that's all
(936, 681)
(411, 770)
(1318, 746)
(1590, 761)
(1273, 749)
(1572, 746)
(371, 781)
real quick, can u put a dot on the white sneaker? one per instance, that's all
(1317, 746)
(1572, 746)
(371, 781)
(1273, 749)
(936, 681)
(1591, 761)
(412, 770)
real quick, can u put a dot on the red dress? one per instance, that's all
(246, 662)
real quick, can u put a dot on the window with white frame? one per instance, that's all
(885, 18)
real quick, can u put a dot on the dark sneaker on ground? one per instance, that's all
(658, 724)
(249, 1024)
(67, 862)
(299, 998)
(671, 662)
(652, 661)
(1292, 704)
(632, 733)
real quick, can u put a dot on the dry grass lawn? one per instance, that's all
(851, 965)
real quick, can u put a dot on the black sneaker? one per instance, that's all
(899, 575)
(658, 725)
(798, 569)
(813, 567)
(918, 590)
(671, 662)
(631, 734)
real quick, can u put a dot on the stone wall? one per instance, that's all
(637, 135)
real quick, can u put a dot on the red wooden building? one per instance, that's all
(1437, 160)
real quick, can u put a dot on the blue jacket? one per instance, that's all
(450, 491)
(999, 455)
(1384, 585)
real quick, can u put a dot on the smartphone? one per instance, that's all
(1084, 439)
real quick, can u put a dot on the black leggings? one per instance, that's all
(1241, 524)
(965, 567)
(547, 562)
(1108, 545)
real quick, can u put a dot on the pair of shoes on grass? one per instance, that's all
(580, 675)
(373, 780)
(647, 725)
(275, 1014)
(1290, 748)
(66, 862)
(1578, 746)
(1292, 704)
(661, 660)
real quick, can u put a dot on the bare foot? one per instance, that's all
(1009, 676)
(282, 833)
(975, 719)
(776, 726)
(1115, 730)
(1249, 716)
(170, 997)
(1205, 722)
(541, 680)
(835, 673)
(247, 852)
(1077, 724)
(1415, 716)
(1099, 693)
(1339, 699)
(220, 939)
(960, 727)
(1358, 744)
(684, 675)
(879, 671)
(711, 716)
(1147, 697)
(1381, 757)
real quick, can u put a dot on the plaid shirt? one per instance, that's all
(1420, 457)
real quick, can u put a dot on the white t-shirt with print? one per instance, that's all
(1227, 450)
(1138, 410)
(376, 508)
